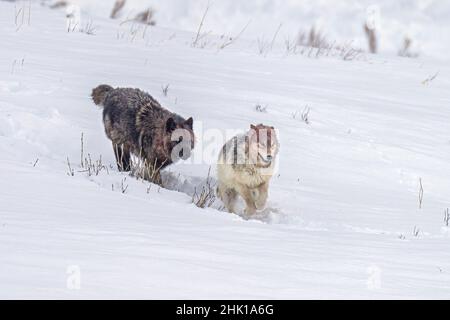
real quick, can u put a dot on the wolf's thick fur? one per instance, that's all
(246, 164)
(136, 123)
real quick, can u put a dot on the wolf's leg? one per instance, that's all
(122, 154)
(126, 155)
(228, 197)
(262, 194)
(246, 194)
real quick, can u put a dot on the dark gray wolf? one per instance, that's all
(246, 164)
(137, 124)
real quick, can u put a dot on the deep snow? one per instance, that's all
(342, 210)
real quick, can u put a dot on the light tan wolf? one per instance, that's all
(246, 164)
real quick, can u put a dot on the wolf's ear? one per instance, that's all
(189, 122)
(170, 125)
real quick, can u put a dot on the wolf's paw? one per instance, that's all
(260, 204)
(249, 211)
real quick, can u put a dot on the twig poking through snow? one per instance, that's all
(447, 217)
(260, 108)
(165, 89)
(430, 79)
(198, 35)
(123, 187)
(420, 193)
(207, 196)
(82, 151)
(21, 14)
(231, 40)
(70, 172)
(304, 114)
(416, 231)
(275, 36)
(88, 28)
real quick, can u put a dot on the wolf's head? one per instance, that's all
(179, 137)
(263, 146)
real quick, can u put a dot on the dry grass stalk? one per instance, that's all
(207, 195)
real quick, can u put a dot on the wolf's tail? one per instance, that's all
(99, 94)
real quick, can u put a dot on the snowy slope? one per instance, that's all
(343, 219)
(425, 22)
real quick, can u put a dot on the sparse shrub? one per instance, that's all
(304, 115)
(22, 15)
(93, 167)
(349, 53)
(207, 195)
(87, 165)
(291, 46)
(88, 28)
(133, 31)
(200, 34)
(165, 89)
(313, 39)
(447, 217)
(314, 44)
(118, 6)
(141, 169)
(59, 4)
(316, 39)
(264, 46)
(228, 40)
(371, 38)
(260, 108)
(146, 17)
(405, 51)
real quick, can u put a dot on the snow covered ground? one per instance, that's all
(424, 22)
(343, 219)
